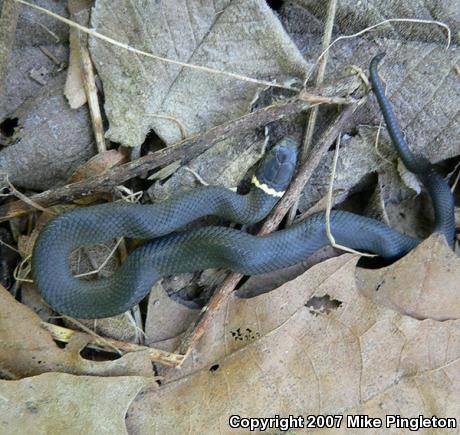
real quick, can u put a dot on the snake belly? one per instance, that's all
(212, 247)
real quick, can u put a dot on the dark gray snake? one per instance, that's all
(213, 247)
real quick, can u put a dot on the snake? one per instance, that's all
(170, 251)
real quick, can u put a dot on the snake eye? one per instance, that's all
(282, 155)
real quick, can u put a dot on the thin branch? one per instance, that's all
(376, 144)
(49, 31)
(127, 47)
(330, 200)
(104, 263)
(330, 192)
(29, 201)
(52, 57)
(306, 170)
(180, 125)
(64, 335)
(89, 83)
(314, 111)
(457, 177)
(9, 246)
(94, 334)
(23, 266)
(367, 29)
(184, 151)
(201, 324)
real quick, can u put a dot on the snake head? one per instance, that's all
(277, 168)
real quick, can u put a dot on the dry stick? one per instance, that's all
(330, 198)
(197, 328)
(313, 115)
(104, 263)
(88, 331)
(183, 151)
(180, 125)
(454, 185)
(368, 29)
(51, 56)
(46, 29)
(91, 95)
(25, 199)
(107, 344)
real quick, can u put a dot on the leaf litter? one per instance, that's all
(276, 355)
(336, 339)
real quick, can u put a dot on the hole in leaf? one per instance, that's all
(275, 4)
(322, 304)
(8, 125)
(98, 355)
(60, 344)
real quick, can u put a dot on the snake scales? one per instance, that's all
(212, 247)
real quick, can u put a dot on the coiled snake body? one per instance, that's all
(212, 247)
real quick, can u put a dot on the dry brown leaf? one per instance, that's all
(74, 86)
(424, 284)
(58, 403)
(166, 318)
(242, 37)
(243, 321)
(28, 349)
(316, 345)
(74, 89)
(32, 299)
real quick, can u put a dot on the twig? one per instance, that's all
(49, 31)
(8, 22)
(24, 265)
(25, 199)
(201, 324)
(184, 151)
(376, 144)
(313, 115)
(9, 246)
(197, 329)
(94, 334)
(107, 344)
(330, 198)
(51, 56)
(104, 263)
(197, 176)
(457, 177)
(180, 125)
(91, 95)
(112, 41)
(128, 195)
(367, 29)
(330, 192)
